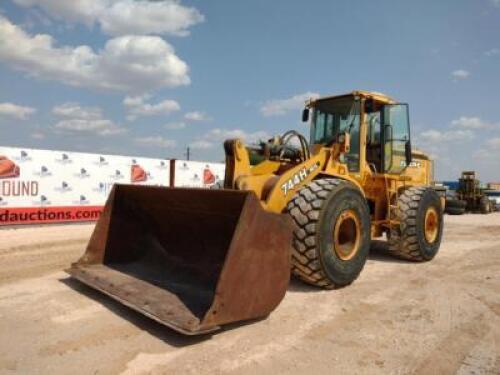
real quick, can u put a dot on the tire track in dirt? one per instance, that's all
(37, 251)
(396, 318)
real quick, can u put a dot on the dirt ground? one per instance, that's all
(440, 317)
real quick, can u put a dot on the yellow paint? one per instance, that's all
(277, 182)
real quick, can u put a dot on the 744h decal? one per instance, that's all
(297, 178)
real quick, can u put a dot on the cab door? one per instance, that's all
(396, 145)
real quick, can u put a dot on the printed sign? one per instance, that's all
(41, 186)
(199, 174)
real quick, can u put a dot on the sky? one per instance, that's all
(150, 78)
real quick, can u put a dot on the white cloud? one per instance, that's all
(101, 127)
(16, 111)
(201, 145)
(472, 123)
(437, 136)
(38, 135)
(460, 74)
(84, 120)
(123, 17)
(216, 137)
(278, 107)
(156, 141)
(490, 153)
(494, 143)
(218, 134)
(196, 116)
(493, 51)
(175, 125)
(495, 3)
(76, 111)
(128, 63)
(137, 106)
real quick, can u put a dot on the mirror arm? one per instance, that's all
(408, 153)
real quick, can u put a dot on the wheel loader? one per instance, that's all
(195, 259)
(470, 191)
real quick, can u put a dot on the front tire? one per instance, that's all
(332, 233)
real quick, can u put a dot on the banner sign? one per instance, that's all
(41, 186)
(198, 174)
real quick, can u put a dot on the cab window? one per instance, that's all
(396, 135)
(336, 116)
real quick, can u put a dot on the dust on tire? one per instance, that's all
(311, 208)
(407, 241)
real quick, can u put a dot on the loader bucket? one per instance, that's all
(191, 259)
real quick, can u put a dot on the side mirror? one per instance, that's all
(369, 105)
(408, 153)
(305, 115)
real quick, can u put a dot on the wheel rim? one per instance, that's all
(346, 235)
(431, 225)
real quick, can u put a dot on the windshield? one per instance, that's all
(332, 117)
(335, 116)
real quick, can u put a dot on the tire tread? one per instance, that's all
(305, 255)
(403, 241)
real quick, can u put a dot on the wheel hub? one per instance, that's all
(431, 225)
(347, 235)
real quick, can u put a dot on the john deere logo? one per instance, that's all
(413, 164)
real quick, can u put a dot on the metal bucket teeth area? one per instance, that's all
(192, 259)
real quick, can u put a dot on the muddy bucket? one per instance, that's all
(191, 259)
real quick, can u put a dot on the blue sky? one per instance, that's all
(150, 78)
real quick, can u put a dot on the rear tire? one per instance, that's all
(454, 210)
(456, 203)
(332, 233)
(455, 207)
(419, 233)
(484, 205)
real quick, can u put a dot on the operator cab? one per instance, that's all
(388, 147)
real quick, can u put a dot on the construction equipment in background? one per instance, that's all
(197, 259)
(493, 193)
(470, 196)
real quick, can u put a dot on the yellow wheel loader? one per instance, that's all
(196, 259)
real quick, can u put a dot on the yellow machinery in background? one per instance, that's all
(196, 259)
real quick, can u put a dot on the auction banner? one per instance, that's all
(198, 174)
(41, 186)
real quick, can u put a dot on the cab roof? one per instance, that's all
(363, 93)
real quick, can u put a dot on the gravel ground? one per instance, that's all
(440, 317)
